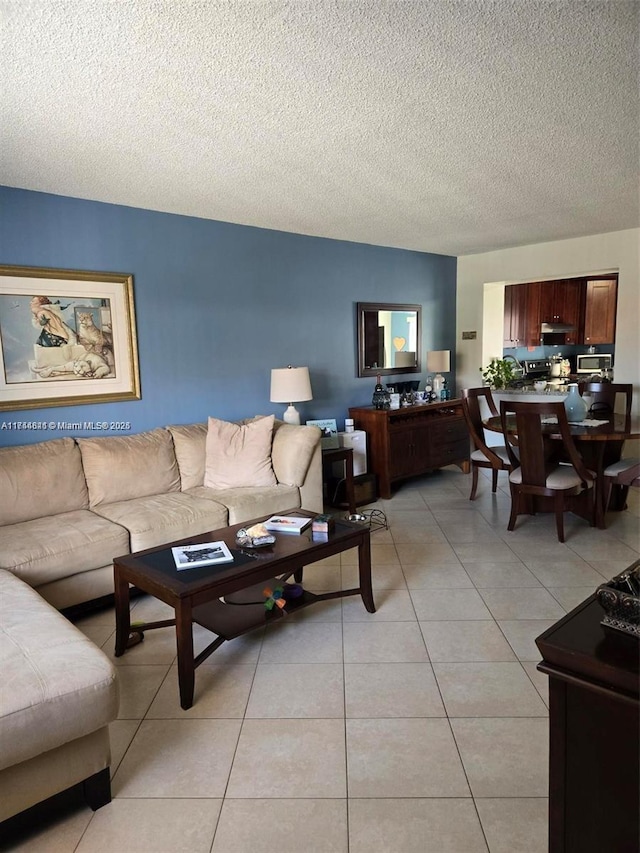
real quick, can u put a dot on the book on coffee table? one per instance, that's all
(287, 523)
(202, 554)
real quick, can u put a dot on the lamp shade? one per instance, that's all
(405, 359)
(290, 385)
(439, 361)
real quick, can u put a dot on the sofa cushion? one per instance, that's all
(292, 450)
(239, 455)
(189, 441)
(244, 504)
(129, 466)
(38, 480)
(57, 686)
(46, 549)
(160, 519)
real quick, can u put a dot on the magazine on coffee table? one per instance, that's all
(287, 523)
(202, 554)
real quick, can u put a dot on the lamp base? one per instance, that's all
(291, 415)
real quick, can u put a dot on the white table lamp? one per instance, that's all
(290, 385)
(438, 362)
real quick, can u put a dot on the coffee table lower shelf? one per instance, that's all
(244, 611)
(236, 614)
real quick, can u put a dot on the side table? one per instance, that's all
(594, 716)
(341, 454)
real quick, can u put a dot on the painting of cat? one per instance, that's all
(89, 335)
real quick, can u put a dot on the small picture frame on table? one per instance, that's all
(329, 429)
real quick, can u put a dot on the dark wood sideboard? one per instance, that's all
(594, 749)
(413, 440)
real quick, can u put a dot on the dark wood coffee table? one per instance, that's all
(195, 594)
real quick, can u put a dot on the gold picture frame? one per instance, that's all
(67, 337)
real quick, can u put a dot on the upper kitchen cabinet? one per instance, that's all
(600, 311)
(560, 308)
(565, 311)
(515, 315)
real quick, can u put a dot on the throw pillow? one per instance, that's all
(190, 442)
(124, 467)
(293, 448)
(239, 454)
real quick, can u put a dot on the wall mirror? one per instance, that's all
(389, 338)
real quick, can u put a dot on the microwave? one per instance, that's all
(594, 362)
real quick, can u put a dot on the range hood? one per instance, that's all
(555, 328)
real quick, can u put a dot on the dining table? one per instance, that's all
(600, 444)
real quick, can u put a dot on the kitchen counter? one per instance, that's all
(555, 391)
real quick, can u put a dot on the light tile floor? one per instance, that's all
(422, 727)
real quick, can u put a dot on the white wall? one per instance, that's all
(619, 251)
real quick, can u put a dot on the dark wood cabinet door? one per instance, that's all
(600, 311)
(534, 290)
(548, 312)
(519, 323)
(508, 303)
(569, 303)
(402, 453)
(515, 315)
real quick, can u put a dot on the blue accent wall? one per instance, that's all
(218, 305)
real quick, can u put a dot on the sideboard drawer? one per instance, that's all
(450, 430)
(449, 452)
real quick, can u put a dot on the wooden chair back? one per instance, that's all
(538, 459)
(493, 457)
(536, 456)
(603, 396)
(471, 407)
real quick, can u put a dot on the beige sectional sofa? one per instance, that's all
(69, 506)
(59, 693)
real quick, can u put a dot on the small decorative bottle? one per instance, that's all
(381, 398)
(574, 405)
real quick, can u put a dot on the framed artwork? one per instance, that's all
(67, 337)
(329, 433)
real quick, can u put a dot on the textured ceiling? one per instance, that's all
(450, 127)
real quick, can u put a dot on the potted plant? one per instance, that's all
(498, 374)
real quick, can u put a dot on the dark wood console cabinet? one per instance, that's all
(413, 440)
(594, 749)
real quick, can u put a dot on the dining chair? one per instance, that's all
(624, 473)
(603, 396)
(536, 471)
(483, 456)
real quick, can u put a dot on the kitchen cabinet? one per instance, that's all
(555, 302)
(587, 305)
(560, 303)
(515, 315)
(600, 311)
(533, 338)
(413, 440)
